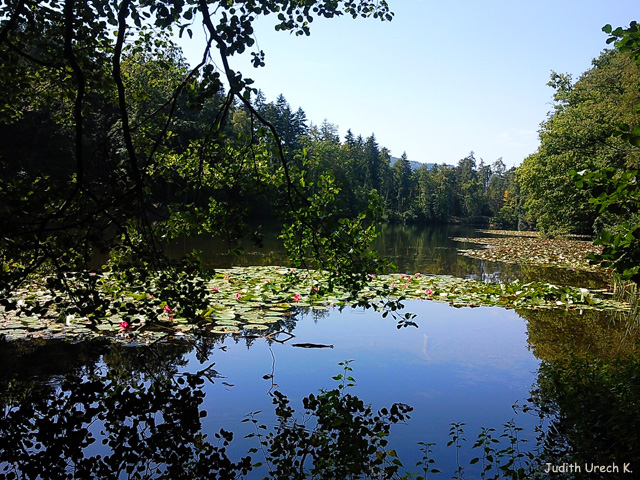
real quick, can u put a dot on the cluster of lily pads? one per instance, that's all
(529, 248)
(256, 301)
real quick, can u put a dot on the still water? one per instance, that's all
(131, 412)
(410, 248)
(460, 365)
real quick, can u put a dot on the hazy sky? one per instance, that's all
(442, 79)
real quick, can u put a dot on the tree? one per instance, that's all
(614, 188)
(328, 132)
(299, 123)
(496, 186)
(580, 135)
(469, 188)
(349, 139)
(372, 157)
(402, 180)
(511, 212)
(442, 198)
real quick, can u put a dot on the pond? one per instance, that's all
(142, 411)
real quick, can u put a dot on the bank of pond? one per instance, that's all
(277, 376)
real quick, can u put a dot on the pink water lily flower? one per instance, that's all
(238, 296)
(215, 289)
(417, 274)
(428, 291)
(296, 297)
(372, 276)
(167, 308)
(402, 275)
(124, 325)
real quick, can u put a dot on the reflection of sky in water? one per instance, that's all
(467, 365)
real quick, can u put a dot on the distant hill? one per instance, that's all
(415, 165)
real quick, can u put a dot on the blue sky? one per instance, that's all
(442, 79)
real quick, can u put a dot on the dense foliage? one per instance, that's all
(580, 135)
(615, 190)
(111, 143)
(583, 178)
(429, 193)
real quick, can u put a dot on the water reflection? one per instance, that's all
(593, 411)
(560, 334)
(411, 248)
(588, 389)
(92, 409)
(128, 415)
(111, 404)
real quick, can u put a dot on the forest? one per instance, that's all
(117, 145)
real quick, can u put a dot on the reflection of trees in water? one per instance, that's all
(593, 408)
(130, 415)
(150, 414)
(588, 387)
(431, 250)
(425, 249)
(556, 334)
(565, 276)
(41, 359)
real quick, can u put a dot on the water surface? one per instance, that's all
(466, 365)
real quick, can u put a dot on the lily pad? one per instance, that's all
(224, 316)
(269, 320)
(228, 322)
(255, 326)
(225, 329)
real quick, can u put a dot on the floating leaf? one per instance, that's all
(228, 322)
(255, 326)
(225, 329)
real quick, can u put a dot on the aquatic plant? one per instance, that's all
(194, 303)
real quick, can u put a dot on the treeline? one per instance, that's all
(470, 191)
(588, 131)
(196, 154)
(581, 134)
(202, 137)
